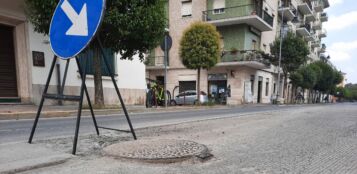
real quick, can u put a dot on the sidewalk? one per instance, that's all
(15, 112)
(19, 157)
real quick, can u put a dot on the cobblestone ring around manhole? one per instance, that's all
(158, 150)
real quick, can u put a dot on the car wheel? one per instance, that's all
(173, 103)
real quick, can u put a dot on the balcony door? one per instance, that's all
(259, 7)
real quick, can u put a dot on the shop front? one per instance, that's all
(217, 88)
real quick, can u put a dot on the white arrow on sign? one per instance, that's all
(79, 21)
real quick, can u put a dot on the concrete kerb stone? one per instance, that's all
(158, 151)
(68, 113)
(20, 157)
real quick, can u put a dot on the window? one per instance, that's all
(267, 87)
(186, 9)
(254, 44)
(252, 78)
(88, 56)
(274, 89)
(218, 11)
(187, 85)
(219, 6)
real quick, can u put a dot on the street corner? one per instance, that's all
(19, 157)
(158, 151)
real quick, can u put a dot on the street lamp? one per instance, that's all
(280, 46)
(295, 20)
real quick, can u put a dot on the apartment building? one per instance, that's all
(25, 59)
(246, 27)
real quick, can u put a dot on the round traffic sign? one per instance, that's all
(73, 25)
(168, 42)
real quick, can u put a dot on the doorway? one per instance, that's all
(260, 86)
(8, 78)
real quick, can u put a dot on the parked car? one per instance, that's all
(189, 97)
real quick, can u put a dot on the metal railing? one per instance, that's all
(305, 25)
(154, 61)
(244, 55)
(237, 11)
(308, 2)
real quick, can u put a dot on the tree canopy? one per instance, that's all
(129, 27)
(200, 46)
(294, 52)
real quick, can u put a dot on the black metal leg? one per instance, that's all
(64, 76)
(42, 99)
(116, 88)
(79, 110)
(88, 99)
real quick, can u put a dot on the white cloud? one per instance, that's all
(342, 51)
(335, 2)
(341, 22)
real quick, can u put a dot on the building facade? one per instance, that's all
(247, 28)
(25, 58)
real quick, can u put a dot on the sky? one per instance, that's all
(341, 40)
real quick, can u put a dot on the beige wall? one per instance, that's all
(236, 75)
(12, 14)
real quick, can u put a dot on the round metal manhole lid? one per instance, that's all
(158, 150)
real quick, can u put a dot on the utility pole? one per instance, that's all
(281, 44)
(165, 62)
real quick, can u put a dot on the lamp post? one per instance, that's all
(280, 46)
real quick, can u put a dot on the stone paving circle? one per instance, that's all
(164, 150)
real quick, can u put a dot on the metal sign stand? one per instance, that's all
(79, 98)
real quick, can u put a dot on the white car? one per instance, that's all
(189, 97)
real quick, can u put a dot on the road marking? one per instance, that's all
(79, 21)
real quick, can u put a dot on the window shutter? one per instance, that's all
(186, 9)
(217, 4)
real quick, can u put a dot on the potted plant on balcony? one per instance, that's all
(234, 51)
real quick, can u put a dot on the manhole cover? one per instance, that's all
(158, 150)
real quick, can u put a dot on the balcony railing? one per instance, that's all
(237, 11)
(244, 55)
(154, 61)
(305, 7)
(303, 29)
(324, 17)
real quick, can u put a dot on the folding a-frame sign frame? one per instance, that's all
(64, 5)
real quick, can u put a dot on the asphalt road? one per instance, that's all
(19, 130)
(313, 139)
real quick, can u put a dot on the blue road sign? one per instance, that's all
(73, 25)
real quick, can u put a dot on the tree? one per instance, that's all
(294, 54)
(129, 27)
(327, 77)
(200, 48)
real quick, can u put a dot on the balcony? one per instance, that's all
(249, 58)
(315, 44)
(310, 18)
(288, 11)
(324, 17)
(303, 29)
(317, 25)
(322, 33)
(310, 38)
(244, 14)
(305, 8)
(156, 62)
(318, 6)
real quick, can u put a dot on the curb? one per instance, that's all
(69, 113)
(45, 162)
